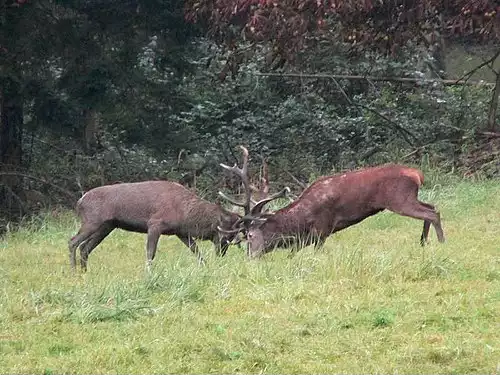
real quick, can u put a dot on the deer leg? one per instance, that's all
(191, 244)
(221, 248)
(221, 245)
(423, 211)
(83, 235)
(425, 232)
(436, 224)
(151, 245)
(94, 240)
(438, 228)
(319, 242)
(319, 233)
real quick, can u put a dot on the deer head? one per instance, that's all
(251, 222)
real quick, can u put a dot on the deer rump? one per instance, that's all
(336, 202)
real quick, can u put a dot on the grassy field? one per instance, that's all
(373, 301)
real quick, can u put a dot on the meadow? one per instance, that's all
(372, 301)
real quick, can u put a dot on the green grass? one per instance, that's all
(373, 301)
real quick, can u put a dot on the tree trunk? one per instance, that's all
(492, 113)
(91, 129)
(11, 124)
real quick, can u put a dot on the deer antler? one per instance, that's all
(256, 210)
(243, 174)
(253, 209)
(264, 180)
(262, 191)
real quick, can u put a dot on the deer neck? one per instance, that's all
(286, 228)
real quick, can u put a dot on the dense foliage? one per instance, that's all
(290, 25)
(95, 92)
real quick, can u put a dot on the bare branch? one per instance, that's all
(405, 133)
(342, 91)
(466, 76)
(22, 207)
(64, 191)
(492, 112)
(296, 180)
(408, 136)
(78, 182)
(394, 125)
(181, 152)
(490, 134)
(446, 82)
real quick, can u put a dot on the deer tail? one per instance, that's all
(415, 174)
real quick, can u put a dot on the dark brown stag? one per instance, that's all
(334, 203)
(152, 207)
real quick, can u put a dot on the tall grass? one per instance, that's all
(371, 301)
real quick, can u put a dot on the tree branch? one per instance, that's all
(492, 112)
(64, 191)
(296, 180)
(22, 208)
(404, 132)
(467, 75)
(446, 82)
(342, 91)
(490, 134)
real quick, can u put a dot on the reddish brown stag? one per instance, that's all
(334, 203)
(152, 207)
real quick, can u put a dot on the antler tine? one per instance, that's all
(229, 231)
(243, 174)
(231, 200)
(260, 204)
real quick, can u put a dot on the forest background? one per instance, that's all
(98, 92)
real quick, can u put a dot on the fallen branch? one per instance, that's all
(446, 82)
(490, 134)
